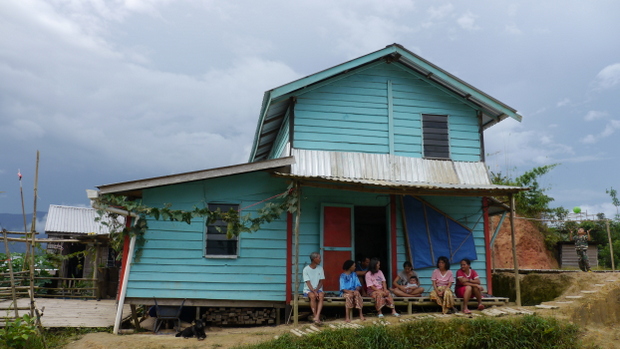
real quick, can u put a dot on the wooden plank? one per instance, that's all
(76, 313)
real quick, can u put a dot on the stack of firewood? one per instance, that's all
(240, 316)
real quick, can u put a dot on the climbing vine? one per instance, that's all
(236, 222)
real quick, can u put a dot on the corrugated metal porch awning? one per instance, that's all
(393, 174)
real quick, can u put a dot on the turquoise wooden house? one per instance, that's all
(388, 152)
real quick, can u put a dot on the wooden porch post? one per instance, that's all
(487, 244)
(393, 239)
(514, 249)
(296, 232)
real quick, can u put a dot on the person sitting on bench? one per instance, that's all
(377, 288)
(468, 285)
(443, 279)
(399, 285)
(313, 285)
(350, 287)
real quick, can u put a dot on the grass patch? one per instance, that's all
(523, 332)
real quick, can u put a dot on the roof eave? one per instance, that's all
(420, 189)
(138, 185)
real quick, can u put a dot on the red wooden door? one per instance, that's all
(337, 242)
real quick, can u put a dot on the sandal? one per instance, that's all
(480, 307)
(380, 316)
(466, 311)
(396, 314)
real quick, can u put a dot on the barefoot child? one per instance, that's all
(581, 246)
(350, 287)
(413, 285)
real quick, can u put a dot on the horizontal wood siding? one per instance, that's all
(352, 114)
(467, 211)
(281, 140)
(172, 263)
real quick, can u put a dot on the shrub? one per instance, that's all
(21, 333)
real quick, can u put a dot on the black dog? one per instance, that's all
(197, 330)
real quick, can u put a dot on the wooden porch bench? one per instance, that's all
(409, 302)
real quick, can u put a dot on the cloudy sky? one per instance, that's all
(111, 91)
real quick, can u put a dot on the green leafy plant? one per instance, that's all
(21, 333)
(534, 202)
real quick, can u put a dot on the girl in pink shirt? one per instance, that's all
(377, 288)
(443, 279)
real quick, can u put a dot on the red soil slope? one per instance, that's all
(531, 250)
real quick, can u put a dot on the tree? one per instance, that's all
(533, 203)
(614, 199)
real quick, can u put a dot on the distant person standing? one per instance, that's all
(581, 246)
(313, 285)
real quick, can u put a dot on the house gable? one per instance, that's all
(281, 104)
(379, 109)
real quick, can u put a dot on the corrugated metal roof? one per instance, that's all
(74, 220)
(386, 167)
(392, 171)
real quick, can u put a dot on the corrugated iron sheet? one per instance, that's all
(385, 169)
(74, 220)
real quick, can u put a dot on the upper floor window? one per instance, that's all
(217, 244)
(435, 136)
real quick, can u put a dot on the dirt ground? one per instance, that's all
(598, 311)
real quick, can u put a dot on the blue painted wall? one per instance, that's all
(356, 114)
(172, 263)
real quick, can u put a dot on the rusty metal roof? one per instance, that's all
(74, 220)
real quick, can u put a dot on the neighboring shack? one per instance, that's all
(91, 257)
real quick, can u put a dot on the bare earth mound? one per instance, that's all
(531, 250)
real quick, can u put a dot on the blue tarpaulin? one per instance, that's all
(433, 233)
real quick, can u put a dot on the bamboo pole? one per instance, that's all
(514, 249)
(8, 256)
(33, 228)
(611, 246)
(47, 240)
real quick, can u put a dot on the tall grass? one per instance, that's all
(523, 332)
